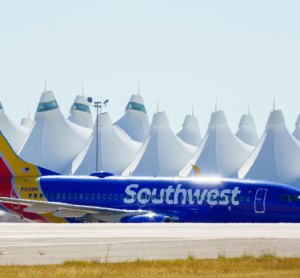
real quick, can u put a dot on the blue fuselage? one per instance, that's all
(188, 199)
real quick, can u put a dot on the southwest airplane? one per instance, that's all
(40, 195)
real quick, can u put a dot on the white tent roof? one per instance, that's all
(277, 155)
(296, 131)
(135, 120)
(27, 122)
(162, 154)
(247, 131)
(220, 153)
(53, 141)
(190, 131)
(115, 151)
(15, 134)
(80, 113)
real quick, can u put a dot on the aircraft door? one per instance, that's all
(260, 199)
(14, 195)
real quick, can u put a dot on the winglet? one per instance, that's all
(196, 170)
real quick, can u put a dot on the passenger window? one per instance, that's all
(211, 198)
(52, 196)
(187, 198)
(30, 195)
(181, 198)
(128, 197)
(199, 197)
(75, 196)
(153, 197)
(242, 198)
(194, 198)
(205, 198)
(122, 197)
(98, 197)
(235, 198)
(165, 197)
(93, 197)
(116, 197)
(35, 196)
(104, 196)
(248, 199)
(110, 197)
(134, 197)
(81, 196)
(170, 197)
(70, 196)
(41, 196)
(229, 198)
(148, 197)
(158, 197)
(46, 196)
(293, 198)
(87, 196)
(223, 198)
(58, 196)
(63, 196)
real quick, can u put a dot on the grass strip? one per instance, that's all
(190, 267)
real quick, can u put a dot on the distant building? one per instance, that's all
(162, 154)
(53, 141)
(115, 150)
(220, 153)
(135, 120)
(14, 133)
(80, 113)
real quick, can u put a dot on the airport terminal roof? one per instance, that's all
(53, 141)
(162, 154)
(190, 131)
(14, 133)
(80, 113)
(115, 150)
(247, 130)
(277, 155)
(296, 132)
(135, 121)
(220, 153)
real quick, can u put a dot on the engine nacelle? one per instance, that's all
(149, 218)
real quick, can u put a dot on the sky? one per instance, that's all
(184, 53)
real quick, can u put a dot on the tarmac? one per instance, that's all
(30, 243)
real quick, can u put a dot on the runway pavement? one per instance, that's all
(29, 243)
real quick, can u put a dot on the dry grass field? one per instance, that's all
(247, 266)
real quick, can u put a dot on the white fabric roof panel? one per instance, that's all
(247, 131)
(162, 154)
(296, 132)
(80, 112)
(115, 150)
(277, 155)
(53, 141)
(220, 153)
(14, 133)
(190, 131)
(135, 121)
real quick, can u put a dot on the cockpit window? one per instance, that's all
(290, 198)
(136, 106)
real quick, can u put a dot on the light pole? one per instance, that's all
(97, 105)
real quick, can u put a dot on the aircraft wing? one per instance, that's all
(70, 210)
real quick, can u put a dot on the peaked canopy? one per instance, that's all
(220, 153)
(277, 155)
(15, 134)
(80, 113)
(135, 120)
(53, 141)
(27, 122)
(296, 131)
(247, 131)
(162, 154)
(115, 150)
(190, 131)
